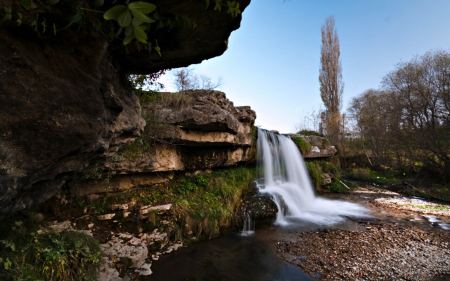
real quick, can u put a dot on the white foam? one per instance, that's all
(286, 178)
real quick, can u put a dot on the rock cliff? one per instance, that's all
(65, 99)
(203, 132)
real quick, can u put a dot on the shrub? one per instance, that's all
(336, 186)
(28, 253)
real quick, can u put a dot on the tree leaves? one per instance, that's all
(26, 4)
(132, 17)
(233, 8)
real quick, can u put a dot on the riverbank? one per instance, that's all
(380, 252)
(383, 249)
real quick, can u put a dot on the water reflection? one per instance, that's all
(232, 257)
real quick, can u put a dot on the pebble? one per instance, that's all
(405, 253)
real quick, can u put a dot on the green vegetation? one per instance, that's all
(315, 173)
(309, 133)
(208, 202)
(30, 252)
(368, 175)
(129, 23)
(336, 186)
(429, 207)
(304, 146)
(330, 166)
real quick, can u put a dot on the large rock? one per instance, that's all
(320, 146)
(64, 100)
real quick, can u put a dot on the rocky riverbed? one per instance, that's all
(376, 250)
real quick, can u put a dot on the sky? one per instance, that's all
(273, 60)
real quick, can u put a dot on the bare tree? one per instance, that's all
(186, 79)
(422, 86)
(330, 78)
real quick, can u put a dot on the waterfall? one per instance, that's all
(249, 226)
(286, 179)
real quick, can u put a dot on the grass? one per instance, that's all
(368, 175)
(207, 203)
(30, 252)
(429, 207)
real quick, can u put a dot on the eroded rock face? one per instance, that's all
(65, 101)
(320, 147)
(58, 110)
(214, 134)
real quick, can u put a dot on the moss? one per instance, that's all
(315, 173)
(304, 146)
(325, 142)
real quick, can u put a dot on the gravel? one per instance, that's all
(381, 252)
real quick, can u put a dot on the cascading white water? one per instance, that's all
(286, 178)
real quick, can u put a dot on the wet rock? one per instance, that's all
(258, 207)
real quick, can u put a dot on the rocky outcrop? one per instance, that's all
(57, 111)
(206, 131)
(64, 100)
(320, 146)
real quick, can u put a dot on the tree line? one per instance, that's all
(405, 123)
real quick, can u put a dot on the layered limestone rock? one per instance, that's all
(320, 146)
(205, 132)
(65, 99)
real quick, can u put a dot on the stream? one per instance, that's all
(253, 257)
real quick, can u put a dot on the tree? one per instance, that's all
(422, 87)
(330, 78)
(186, 79)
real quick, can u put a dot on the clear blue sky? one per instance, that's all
(273, 60)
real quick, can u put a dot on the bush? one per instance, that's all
(336, 186)
(28, 253)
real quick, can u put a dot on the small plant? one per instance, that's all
(31, 253)
(201, 181)
(336, 186)
(186, 187)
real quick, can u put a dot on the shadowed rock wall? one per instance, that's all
(64, 100)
